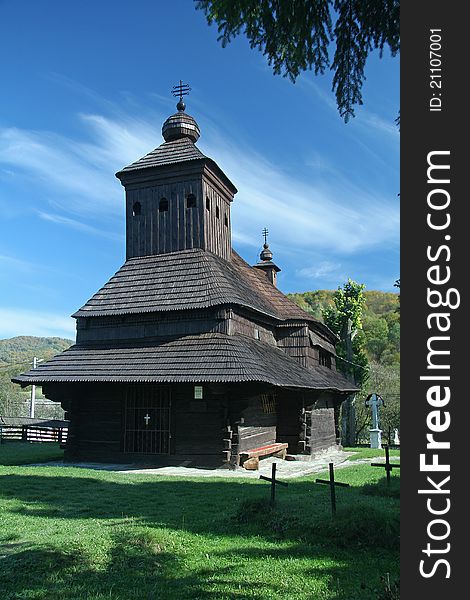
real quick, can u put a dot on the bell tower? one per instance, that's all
(176, 197)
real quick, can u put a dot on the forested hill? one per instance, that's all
(381, 321)
(16, 356)
(21, 350)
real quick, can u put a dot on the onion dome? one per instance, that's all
(266, 253)
(180, 125)
(266, 264)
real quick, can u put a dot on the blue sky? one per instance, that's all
(86, 88)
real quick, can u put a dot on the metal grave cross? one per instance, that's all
(386, 465)
(147, 419)
(273, 482)
(332, 483)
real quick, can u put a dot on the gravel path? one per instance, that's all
(286, 469)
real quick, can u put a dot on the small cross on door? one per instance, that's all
(147, 419)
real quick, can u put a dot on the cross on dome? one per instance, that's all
(180, 125)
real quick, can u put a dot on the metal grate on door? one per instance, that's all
(147, 420)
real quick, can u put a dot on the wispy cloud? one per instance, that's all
(60, 167)
(15, 322)
(77, 178)
(340, 216)
(11, 262)
(365, 119)
(374, 121)
(61, 220)
(325, 270)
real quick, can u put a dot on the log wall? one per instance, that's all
(322, 429)
(151, 325)
(157, 232)
(295, 342)
(217, 222)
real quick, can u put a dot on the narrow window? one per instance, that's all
(324, 358)
(191, 201)
(163, 205)
(268, 402)
(226, 220)
(136, 209)
(208, 203)
(217, 212)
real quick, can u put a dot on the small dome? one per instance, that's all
(266, 253)
(180, 125)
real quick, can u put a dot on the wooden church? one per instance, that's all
(189, 354)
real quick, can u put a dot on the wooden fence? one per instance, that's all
(33, 433)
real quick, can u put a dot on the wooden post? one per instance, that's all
(273, 484)
(332, 483)
(387, 462)
(387, 465)
(332, 489)
(273, 481)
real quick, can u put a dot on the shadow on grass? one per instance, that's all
(382, 488)
(143, 564)
(198, 506)
(138, 567)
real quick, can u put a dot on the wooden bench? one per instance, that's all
(249, 459)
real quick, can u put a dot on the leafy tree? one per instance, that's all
(397, 285)
(345, 319)
(295, 36)
(348, 307)
(377, 336)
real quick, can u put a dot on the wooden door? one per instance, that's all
(147, 420)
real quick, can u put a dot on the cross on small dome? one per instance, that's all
(180, 125)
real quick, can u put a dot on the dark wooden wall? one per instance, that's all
(217, 234)
(197, 425)
(322, 429)
(240, 324)
(207, 225)
(178, 228)
(96, 431)
(289, 408)
(149, 325)
(226, 421)
(295, 342)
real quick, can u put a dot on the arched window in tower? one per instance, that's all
(208, 203)
(136, 209)
(163, 205)
(191, 201)
(217, 212)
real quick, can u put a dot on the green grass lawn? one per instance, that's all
(74, 533)
(21, 453)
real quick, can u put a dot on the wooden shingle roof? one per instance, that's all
(205, 358)
(175, 152)
(168, 153)
(189, 279)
